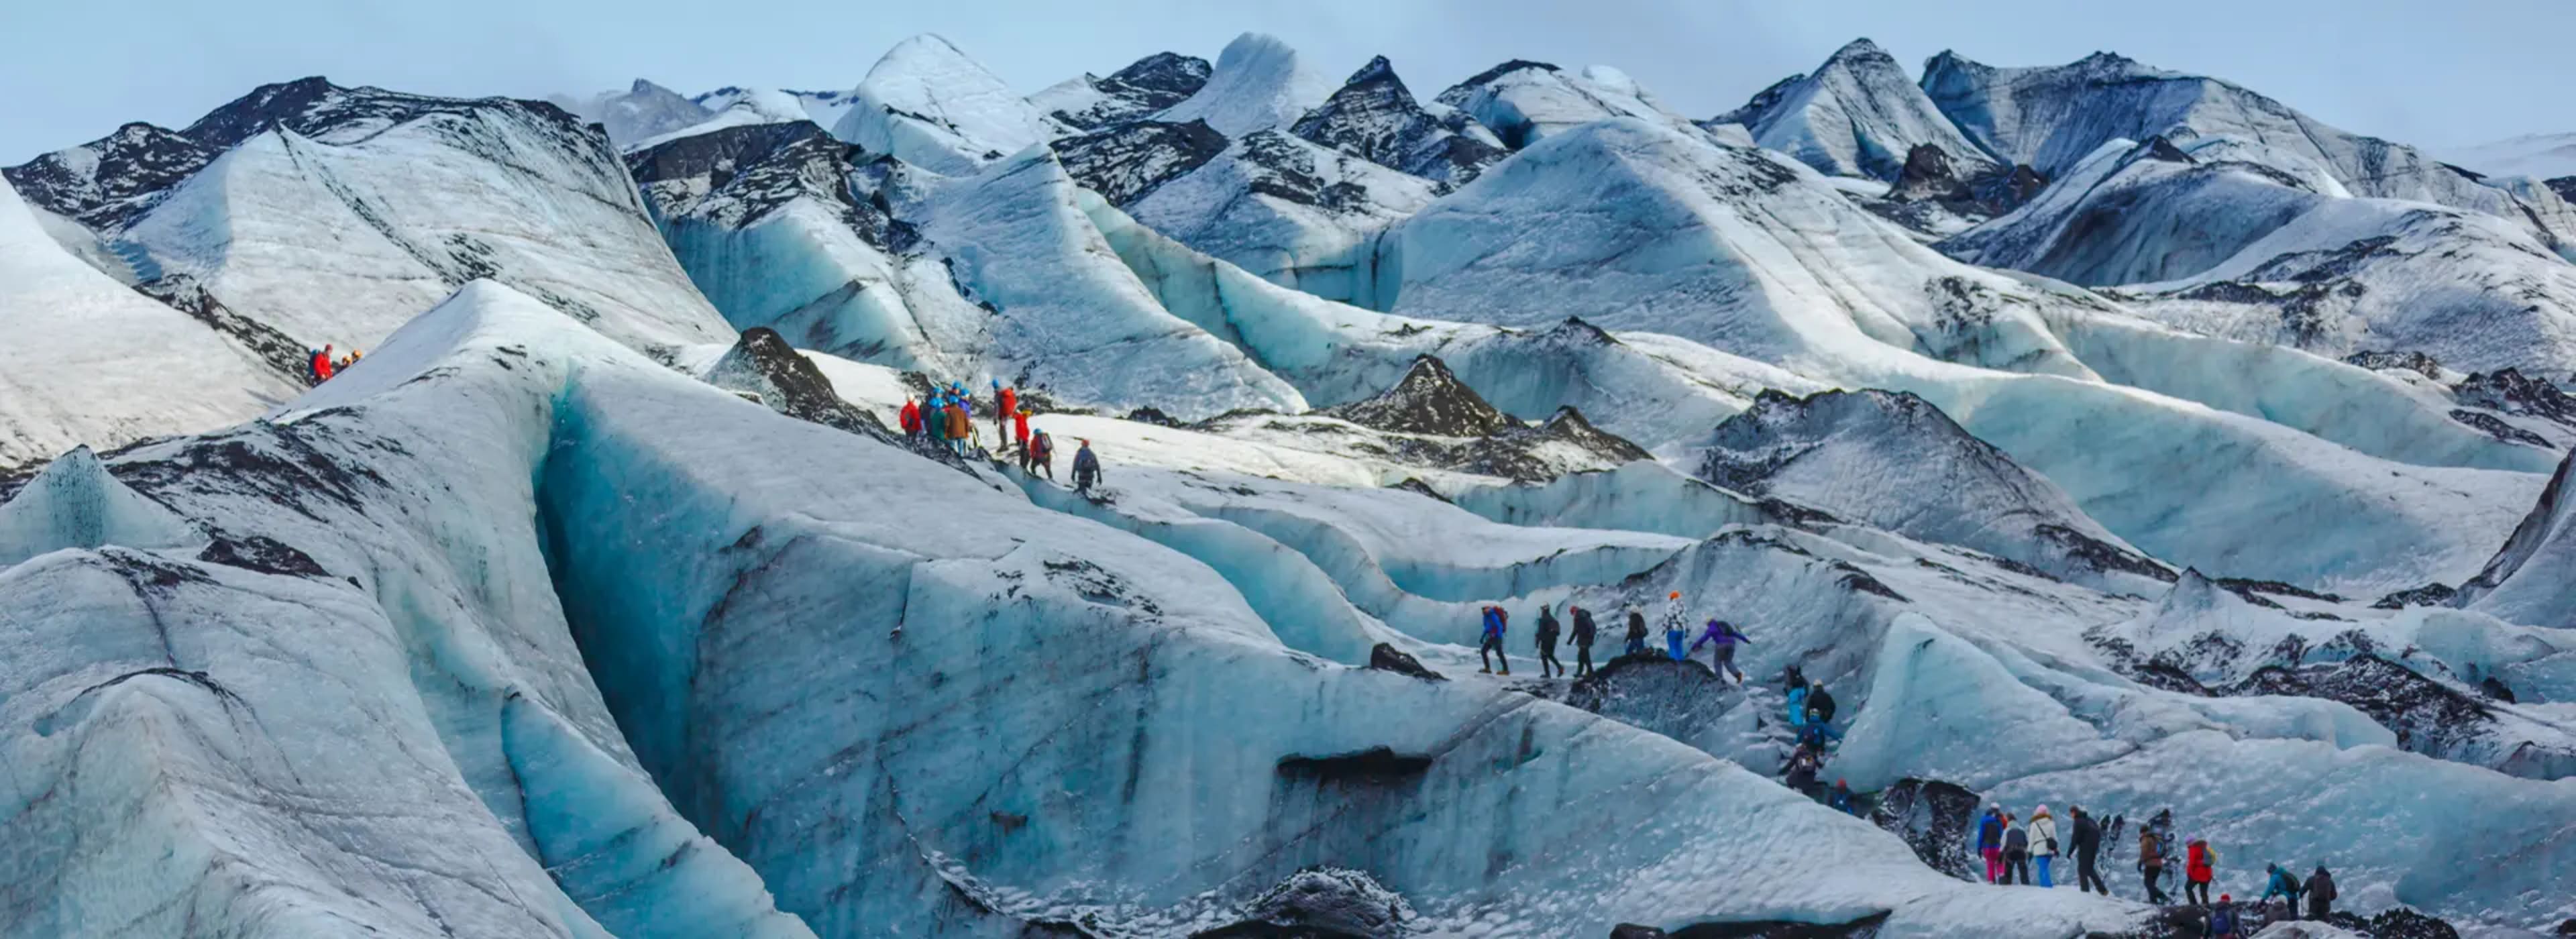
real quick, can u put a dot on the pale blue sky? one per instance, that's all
(2430, 72)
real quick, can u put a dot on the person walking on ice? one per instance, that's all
(1548, 630)
(2043, 844)
(1492, 642)
(1584, 631)
(1086, 469)
(1636, 631)
(1722, 660)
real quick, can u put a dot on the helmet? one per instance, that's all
(1675, 595)
(2226, 898)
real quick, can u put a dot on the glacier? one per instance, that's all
(2093, 449)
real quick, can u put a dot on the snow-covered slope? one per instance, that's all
(1859, 114)
(1284, 208)
(642, 111)
(1895, 462)
(2527, 582)
(929, 105)
(1259, 82)
(1523, 101)
(2538, 156)
(86, 360)
(995, 275)
(2053, 117)
(334, 214)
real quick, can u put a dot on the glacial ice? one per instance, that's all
(931, 106)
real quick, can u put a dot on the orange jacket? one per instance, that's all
(958, 425)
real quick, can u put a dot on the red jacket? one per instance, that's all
(911, 417)
(1020, 426)
(1010, 401)
(322, 365)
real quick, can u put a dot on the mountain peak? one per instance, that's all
(1430, 400)
(1259, 82)
(1860, 50)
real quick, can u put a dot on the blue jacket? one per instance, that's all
(1990, 831)
(1494, 620)
(1798, 706)
(2283, 885)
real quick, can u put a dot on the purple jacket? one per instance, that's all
(1722, 634)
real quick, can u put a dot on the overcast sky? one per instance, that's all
(2429, 72)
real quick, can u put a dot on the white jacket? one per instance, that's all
(1676, 617)
(2042, 831)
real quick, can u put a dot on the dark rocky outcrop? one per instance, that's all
(1129, 161)
(734, 176)
(1933, 817)
(1387, 658)
(765, 366)
(1373, 766)
(2416, 362)
(1321, 903)
(1374, 116)
(1148, 85)
(1431, 401)
(1650, 691)
(2427, 595)
(2511, 392)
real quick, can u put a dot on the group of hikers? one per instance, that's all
(1810, 710)
(320, 365)
(946, 417)
(2012, 849)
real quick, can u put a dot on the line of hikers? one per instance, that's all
(2011, 848)
(946, 417)
(1676, 617)
(319, 365)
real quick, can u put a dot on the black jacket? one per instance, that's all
(1547, 626)
(1583, 628)
(2321, 887)
(1636, 625)
(2088, 835)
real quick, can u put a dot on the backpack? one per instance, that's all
(1820, 704)
(1043, 447)
(2222, 922)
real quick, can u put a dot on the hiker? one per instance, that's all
(1675, 616)
(1042, 455)
(909, 417)
(1801, 774)
(2088, 846)
(1584, 632)
(2224, 922)
(2321, 893)
(1841, 799)
(1722, 661)
(2151, 864)
(934, 423)
(1020, 432)
(2280, 883)
(2200, 863)
(1547, 633)
(1086, 468)
(2043, 843)
(1820, 709)
(1636, 631)
(961, 426)
(1006, 403)
(1798, 704)
(318, 365)
(2016, 853)
(1990, 841)
(1495, 621)
(1815, 733)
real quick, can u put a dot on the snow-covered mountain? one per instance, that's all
(928, 104)
(2054, 117)
(333, 215)
(645, 620)
(643, 110)
(1859, 114)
